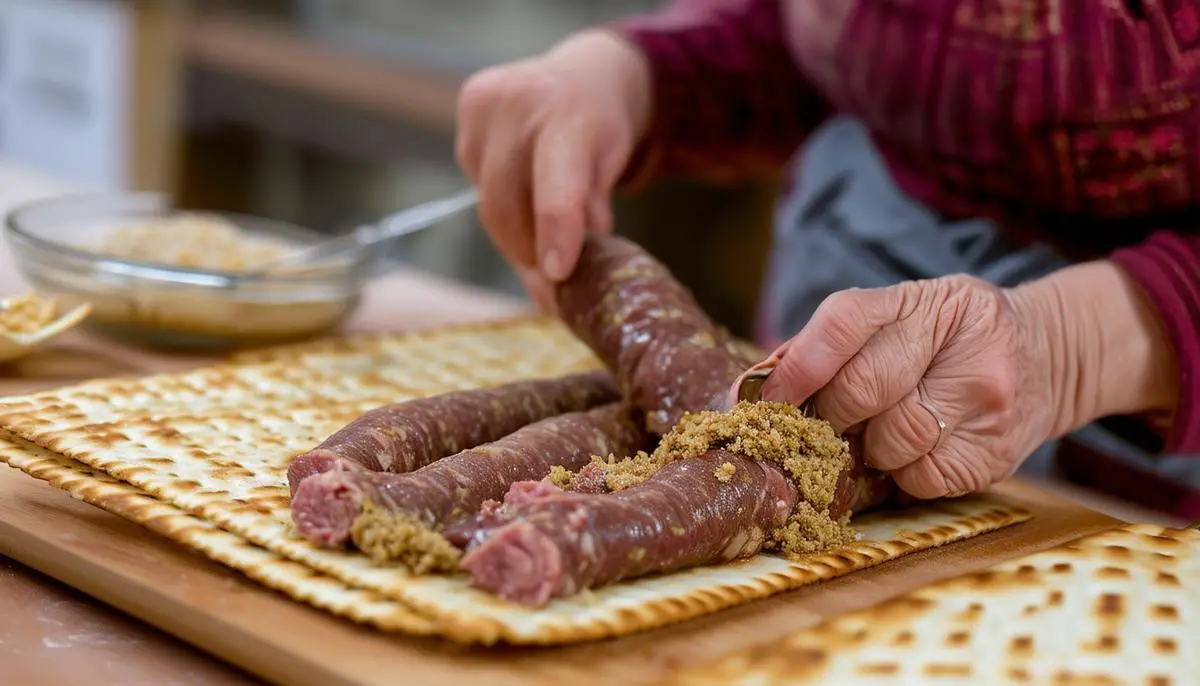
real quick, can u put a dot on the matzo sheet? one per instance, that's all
(268, 568)
(1118, 607)
(215, 444)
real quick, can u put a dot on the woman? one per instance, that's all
(1013, 184)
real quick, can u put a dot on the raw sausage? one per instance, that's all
(405, 436)
(682, 517)
(325, 506)
(667, 355)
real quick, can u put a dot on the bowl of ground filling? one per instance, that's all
(178, 278)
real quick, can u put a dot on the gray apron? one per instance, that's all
(846, 224)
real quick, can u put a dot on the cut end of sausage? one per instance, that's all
(309, 464)
(528, 491)
(472, 530)
(469, 532)
(517, 563)
(325, 507)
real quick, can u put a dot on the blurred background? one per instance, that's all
(325, 113)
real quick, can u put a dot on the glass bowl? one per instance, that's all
(56, 246)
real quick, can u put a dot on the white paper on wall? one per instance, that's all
(65, 88)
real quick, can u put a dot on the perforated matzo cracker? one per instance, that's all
(1118, 607)
(215, 444)
(268, 568)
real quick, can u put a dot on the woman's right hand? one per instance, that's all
(545, 140)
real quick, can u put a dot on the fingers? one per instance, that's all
(904, 433)
(544, 164)
(474, 103)
(505, 205)
(952, 471)
(776, 354)
(600, 214)
(923, 479)
(887, 368)
(540, 291)
(562, 198)
(489, 144)
(574, 171)
(838, 330)
(609, 165)
(502, 174)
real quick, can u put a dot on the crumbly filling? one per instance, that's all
(629, 471)
(390, 536)
(192, 240)
(808, 449)
(559, 476)
(809, 530)
(26, 313)
(725, 472)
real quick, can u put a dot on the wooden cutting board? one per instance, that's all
(233, 618)
(283, 641)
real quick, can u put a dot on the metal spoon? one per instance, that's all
(393, 226)
(748, 387)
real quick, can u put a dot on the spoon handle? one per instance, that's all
(392, 226)
(415, 218)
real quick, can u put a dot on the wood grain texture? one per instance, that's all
(53, 635)
(1117, 607)
(216, 443)
(283, 641)
(154, 112)
(221, 612)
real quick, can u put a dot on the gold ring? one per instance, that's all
(923, 401)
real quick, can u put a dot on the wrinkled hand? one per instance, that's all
(891, 363)
(545, 140)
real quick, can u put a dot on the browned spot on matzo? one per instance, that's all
(213, 444)
(259, 564)
(1093, 628)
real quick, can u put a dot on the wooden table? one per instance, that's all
(53, 635)
(50, 634)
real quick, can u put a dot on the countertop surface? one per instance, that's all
(53, 635)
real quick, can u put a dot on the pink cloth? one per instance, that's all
(1067, 121)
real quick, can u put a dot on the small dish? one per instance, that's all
(163, 288)
(27, 321)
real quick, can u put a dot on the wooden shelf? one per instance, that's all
(280, 57)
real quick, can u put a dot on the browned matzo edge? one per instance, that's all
(1116, 607)
(214, 444)
(261, 565)
(358, 342)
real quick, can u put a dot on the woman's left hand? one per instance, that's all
(951, 382)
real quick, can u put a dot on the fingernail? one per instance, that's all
(552, 264)
(773, 391)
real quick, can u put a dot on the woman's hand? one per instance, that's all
(545, 140)
(953, 382)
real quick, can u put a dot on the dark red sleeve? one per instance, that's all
(1167, 266)
(729, 100)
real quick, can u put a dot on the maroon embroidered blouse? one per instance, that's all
(1072, 122)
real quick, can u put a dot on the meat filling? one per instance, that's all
(704, 486)
(557, 545)
(325, 507)
(405, 436)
